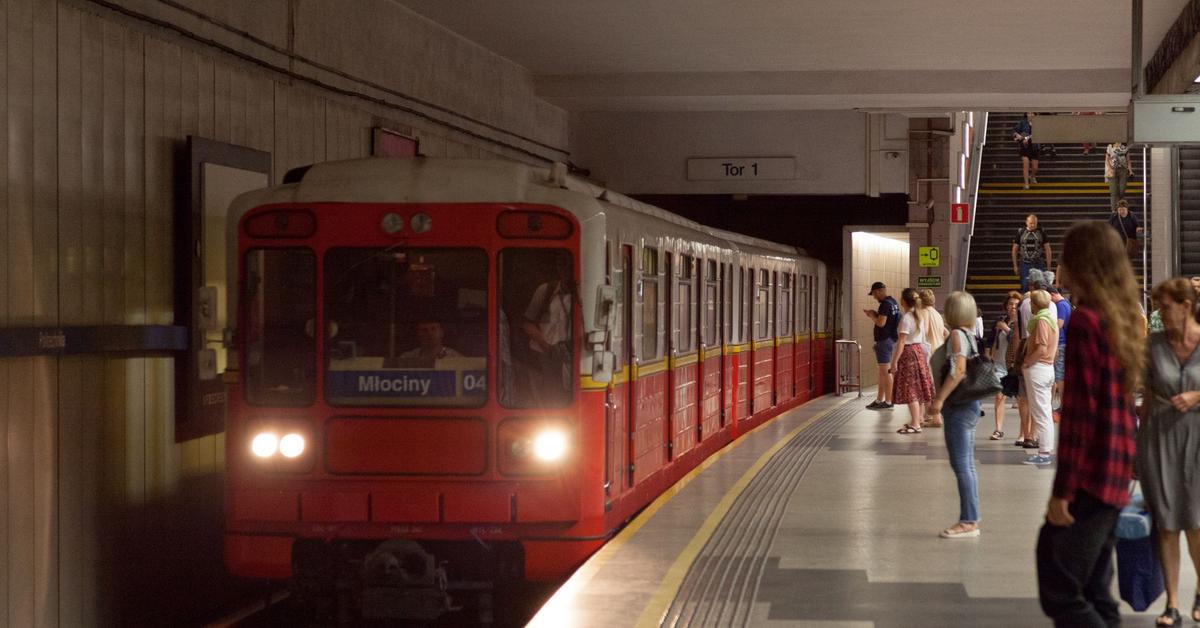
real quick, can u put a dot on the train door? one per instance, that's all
(804, 342)
(683, 384)
(785, 383)
(670, 297)
(710, 358)
(816, 345)
(648, 380)
(727, 344)
(618, 410)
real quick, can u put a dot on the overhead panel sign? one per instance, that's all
(929, 256)
(744, 168)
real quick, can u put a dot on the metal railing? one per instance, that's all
(848, 364)
(979, 141)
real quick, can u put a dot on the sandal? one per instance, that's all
(908, 429)
(1020, 442)
(931, 423)
(1171, 614)
(997, 435)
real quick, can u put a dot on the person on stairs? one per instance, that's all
(1117, 171)
(1127, 226)
(1030, 249)
(1023, 136)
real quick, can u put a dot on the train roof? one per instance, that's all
(446, 180)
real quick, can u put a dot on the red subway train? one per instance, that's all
(455, 372)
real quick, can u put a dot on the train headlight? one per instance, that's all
(265, 444)
(550, 445)
(534, 446)
(291, 445)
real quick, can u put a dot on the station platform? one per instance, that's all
(825, 517)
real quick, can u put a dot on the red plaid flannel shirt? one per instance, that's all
(1096, 443)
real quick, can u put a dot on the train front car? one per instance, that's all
(407, 428)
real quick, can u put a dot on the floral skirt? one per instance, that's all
(913, 382)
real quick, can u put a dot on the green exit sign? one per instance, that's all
(931, 281)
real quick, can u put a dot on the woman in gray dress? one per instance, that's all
(1168, 448)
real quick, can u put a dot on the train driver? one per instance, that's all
(547, 322)
(430, 336)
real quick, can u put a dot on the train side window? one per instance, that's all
(762, 305)
(727, 304)
(617, 319)
(802, 309)
(747, 304)
(786, 314)
(649, 297)
(280, 297)
(709, 305)
(813, 303)
(685, 319)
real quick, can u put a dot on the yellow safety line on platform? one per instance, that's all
(554, 611)
(660, 603)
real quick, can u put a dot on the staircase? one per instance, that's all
(1070, 188)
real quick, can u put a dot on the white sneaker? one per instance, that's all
(951, 533)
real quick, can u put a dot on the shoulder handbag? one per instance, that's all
(981, 380)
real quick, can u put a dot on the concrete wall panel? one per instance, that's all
(98, 504)
(647, 152)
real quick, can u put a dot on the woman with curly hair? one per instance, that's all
(1104, 360)
(910, 364)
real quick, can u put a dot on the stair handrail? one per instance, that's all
(979, 141)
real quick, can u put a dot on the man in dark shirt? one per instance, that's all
(1029, 250)
(886, 318)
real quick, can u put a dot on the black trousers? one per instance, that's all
(1075, 566)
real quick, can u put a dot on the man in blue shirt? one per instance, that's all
(886, 318)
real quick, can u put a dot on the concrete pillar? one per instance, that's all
(1163, 230)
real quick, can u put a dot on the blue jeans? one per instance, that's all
(1024, 268)
(959, 431)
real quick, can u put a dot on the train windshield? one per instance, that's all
(406, 327)
(281, 304)
(536, 327)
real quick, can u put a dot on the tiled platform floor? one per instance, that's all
(857, 544)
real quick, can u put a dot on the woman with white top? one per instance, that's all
(910, 364)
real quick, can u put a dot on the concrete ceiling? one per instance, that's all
(813, 54)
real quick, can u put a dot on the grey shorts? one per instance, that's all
(883, 350)
(1060, 363)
